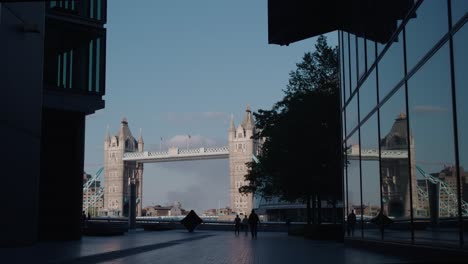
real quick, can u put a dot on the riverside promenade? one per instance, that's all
(178, 246)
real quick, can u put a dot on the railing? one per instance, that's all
(189, 151)
(176, 153)
(372, 154)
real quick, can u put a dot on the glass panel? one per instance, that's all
(64, 70)
(91, 9)
(431, 16)
(90, 66)
(345, 174)
(394, 171)
(370, 176)
(361, 56)
(99, 9)
(460, 52)
(346, 64)
(342, 69)
(391, 68)
(459, 9)
(70, 78)
(354, 227)
(431, 124)
(367, 95)
(370, 52)
(351, 115)
(98, 64)
(352, 45)
(59, 68)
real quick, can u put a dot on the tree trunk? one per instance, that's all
(309, 215)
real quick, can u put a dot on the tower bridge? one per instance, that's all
(124, 157)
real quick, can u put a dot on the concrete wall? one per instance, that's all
(21, 59)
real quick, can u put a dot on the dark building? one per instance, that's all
(52, 74)
(397, 58)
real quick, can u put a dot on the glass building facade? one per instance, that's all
(405, 128)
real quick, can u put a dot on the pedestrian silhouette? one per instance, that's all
(351, 223)
(83, 219)
(245, 225)
(253, 223)
(237, 223)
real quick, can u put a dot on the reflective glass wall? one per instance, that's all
(405, 127)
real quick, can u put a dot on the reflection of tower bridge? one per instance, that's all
(124, 157)
(447, 207)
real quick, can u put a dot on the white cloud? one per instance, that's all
(429, 109)
(195, 141)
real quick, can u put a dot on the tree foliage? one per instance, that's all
(300, 154)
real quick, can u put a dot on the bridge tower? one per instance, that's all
(395, 174)
(241, 148)
(118, 172)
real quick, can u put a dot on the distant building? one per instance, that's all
(210, 212)
(218, 212)
(90, 193)
(171, 210)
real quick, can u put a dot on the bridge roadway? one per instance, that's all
(373, 154)
(176, 154)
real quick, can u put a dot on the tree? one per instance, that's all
(300, 158)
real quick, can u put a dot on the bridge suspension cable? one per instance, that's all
(450, 205)
(97, 193)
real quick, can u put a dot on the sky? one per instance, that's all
(176, 68)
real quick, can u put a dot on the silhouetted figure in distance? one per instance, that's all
(351, 223)
(237, 223)
(253, 223)
(83, 219)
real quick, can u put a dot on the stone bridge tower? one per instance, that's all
(118, 173)
(241, 149)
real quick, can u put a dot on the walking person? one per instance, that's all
(237, 223)
(253, 223)
(245, 225)
(351, 223)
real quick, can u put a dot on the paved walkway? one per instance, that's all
(199, 247)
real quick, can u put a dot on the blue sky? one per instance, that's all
(182, 67)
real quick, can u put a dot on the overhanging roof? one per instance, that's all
(294, 20)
